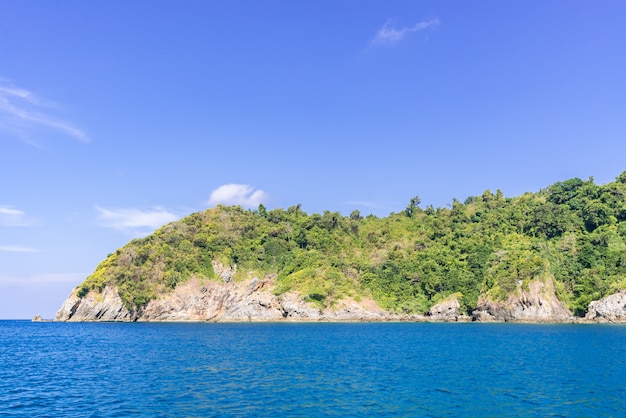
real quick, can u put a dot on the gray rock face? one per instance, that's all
(254, 300)
(538, 303)
(211, 301)
(611, 308)
(105, 306)
(196, 300)
(293, 307)
(446, 311)
(351, 311)
(226, 273)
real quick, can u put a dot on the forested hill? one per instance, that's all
(573, 231)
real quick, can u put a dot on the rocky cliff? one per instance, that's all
(254, 300)
(448, 310)
(611, 308)
(196, 300)
(105, 306)
(536, 302)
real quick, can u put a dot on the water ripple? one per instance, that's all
(171, 370)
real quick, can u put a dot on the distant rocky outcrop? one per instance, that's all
(196, 300)
(536, 302)
(105, 306)
(609, 309)
(448, 310)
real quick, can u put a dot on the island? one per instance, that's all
(556, 255)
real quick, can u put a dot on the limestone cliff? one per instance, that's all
(536, 302)
(611, 308)
(195, 300)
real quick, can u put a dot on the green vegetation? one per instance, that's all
(573, 231)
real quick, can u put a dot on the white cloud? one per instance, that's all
(10, 211)
(390, 35)
(17, 249)
(135, 221)
(237, 194)
(10, 216)
(22, 112)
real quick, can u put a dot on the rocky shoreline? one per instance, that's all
(254, 301)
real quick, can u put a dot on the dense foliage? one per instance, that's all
(573, 231)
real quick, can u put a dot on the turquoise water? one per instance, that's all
(285, 369)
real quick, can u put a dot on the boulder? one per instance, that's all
(447, 310)
(611, 308)
(294, 307)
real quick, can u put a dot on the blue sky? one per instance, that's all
(119, 116)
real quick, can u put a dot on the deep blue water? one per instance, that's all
(287, 369)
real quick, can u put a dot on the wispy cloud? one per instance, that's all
(22, 113)
(134, 221)
(238, 194)
(391, 35)
(17, 249)
(9, 216)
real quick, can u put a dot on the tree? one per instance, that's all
(413, 204)
(295, 210)
(563, 192)
(262, 210)
(596, 214)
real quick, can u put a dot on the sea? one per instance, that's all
(50, 369)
